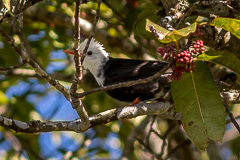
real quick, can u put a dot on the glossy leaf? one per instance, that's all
(229, 24)
(186, 31)
(166, 36)
(7, 4)
(197, 98)
(224, 58)
(162, 32)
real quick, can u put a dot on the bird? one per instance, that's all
(108, 71)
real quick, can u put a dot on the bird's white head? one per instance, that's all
(95, 55)
(95, 59)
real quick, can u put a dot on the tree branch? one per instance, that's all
(13, 67)
(229, 97)
(136, 132)
(189, 12)
(126, 112)
(232, 96)
(124, 84)
(234, 122)
(35, 66)
(92, 31)
(174, 150)
(76, 102)
(26, 5)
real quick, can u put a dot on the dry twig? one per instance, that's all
(234, 122)
(35, 66)
(92, 31)
(13, 67)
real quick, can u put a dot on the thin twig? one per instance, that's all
(13, 67)
(77, 55)
(164, 139)
(184, 143)
(92, 31)
(25, 6)
(78, 64)
(187, 14)
(35, 66)
(149, 132)
(231, 8)
(135, 132)
(76, 102)
(16, 7)
(234, 122)
(124, 84)
(229, 120)
(149, 149)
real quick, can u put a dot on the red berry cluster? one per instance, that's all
(184, 63)
(184, 59)
(198, 32)
(167, 50)
(198, 47)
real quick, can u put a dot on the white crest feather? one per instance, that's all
(96, 61)
(94, 46)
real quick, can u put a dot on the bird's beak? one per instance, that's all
(69, 51)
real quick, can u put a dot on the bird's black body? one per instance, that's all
(123, 70)
(108, 71)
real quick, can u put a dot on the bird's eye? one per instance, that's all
(89, 53)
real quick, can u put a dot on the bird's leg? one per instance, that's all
(160, 100)
(135, 101)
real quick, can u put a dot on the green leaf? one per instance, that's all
(229, 24)
(197, 98)
(7, 4)
(166, 36)
(3, 98)
(186, 31)
(162, 32)
(224, 58)
(149, 12)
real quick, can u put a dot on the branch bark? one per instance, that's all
(13, 67)
(92, 31)
(76, 102)
(126, 112)
(35, 66)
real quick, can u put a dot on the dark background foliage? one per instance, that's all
(25, 96)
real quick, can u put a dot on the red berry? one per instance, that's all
(186, 58)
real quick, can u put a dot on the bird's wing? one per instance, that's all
(122, 70)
